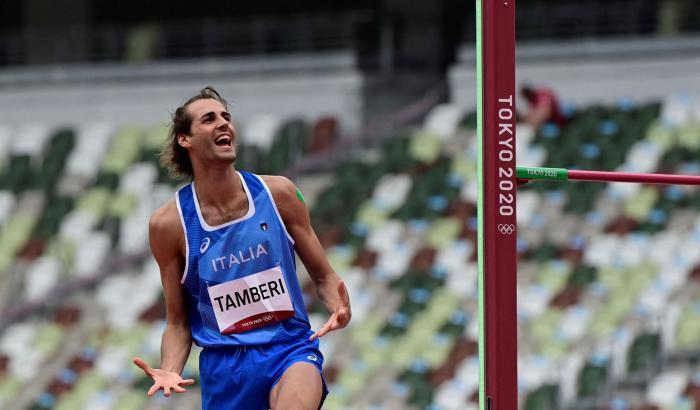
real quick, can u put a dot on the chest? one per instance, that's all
(239, 249)
(231, 211)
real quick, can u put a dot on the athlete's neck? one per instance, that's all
(218, 187)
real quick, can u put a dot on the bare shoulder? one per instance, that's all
(283, 191)
(279, 184)
(165, 221)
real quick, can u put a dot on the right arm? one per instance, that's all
(167, 243)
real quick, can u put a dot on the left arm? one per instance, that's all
(329, 286)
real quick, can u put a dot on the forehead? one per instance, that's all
(203, 106)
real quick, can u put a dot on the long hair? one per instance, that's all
(173, 156)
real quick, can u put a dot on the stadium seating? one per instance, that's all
(74, 201)
(608, 292)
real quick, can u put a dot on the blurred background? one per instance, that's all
(370, 108)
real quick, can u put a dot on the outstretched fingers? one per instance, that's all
(154, 389)
(169, 387)
(163, 380)
(323, 330)
(340, 317)
(143, 366)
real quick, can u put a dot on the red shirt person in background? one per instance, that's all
(542, 106)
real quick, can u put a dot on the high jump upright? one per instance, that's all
(498, 334)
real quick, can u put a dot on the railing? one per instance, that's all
(536, 20)
(181, 39)
(568, 19)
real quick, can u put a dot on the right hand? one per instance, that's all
(163, 379)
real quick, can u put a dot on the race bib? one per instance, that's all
(247, 303)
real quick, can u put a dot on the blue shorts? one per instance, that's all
(242, 377)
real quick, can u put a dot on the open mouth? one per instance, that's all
(223, 141)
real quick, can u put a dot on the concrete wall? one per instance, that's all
(581, 75)
(283, 87)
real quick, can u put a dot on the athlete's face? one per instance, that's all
(212, 135)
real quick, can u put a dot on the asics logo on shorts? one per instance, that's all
(506, 229)
(312, 357)
(205, 245)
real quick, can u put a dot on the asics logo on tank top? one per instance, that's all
(205, 245)
(237, 258)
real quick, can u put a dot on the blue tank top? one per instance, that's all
(240, 277)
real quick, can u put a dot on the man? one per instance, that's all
(225, 247)
(543, 107)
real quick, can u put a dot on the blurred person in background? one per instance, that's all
(543, 106)
(225, 247)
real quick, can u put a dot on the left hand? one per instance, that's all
(340, 317)
(163, 379)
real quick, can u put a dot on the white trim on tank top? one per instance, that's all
(205, 226)
(184, 230)
(274, 205)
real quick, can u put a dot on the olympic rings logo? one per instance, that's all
(506, 229)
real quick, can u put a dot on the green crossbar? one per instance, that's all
(550, 174)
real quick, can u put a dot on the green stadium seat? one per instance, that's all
(543, 398)
(131, 400)
(688, 329)
(141, 42)
(643, 355)
(396, 154)
(425, 147)
(10, 386)
(290, 142)
(124, 150)
(640, 205)
(18, 173)
(591, 381)
(443, 232)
